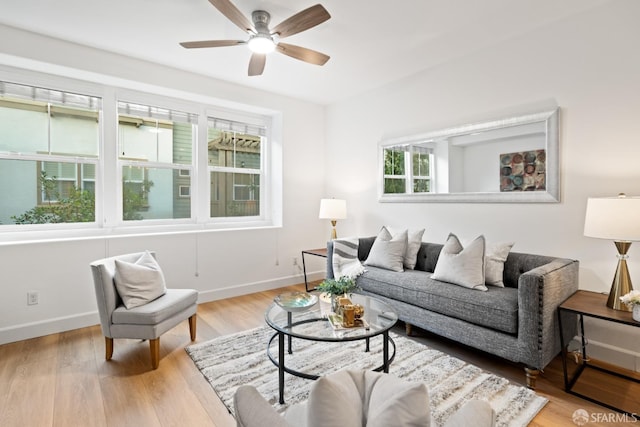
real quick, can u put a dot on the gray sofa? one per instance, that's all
(517, 322)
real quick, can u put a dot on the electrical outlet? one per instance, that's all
(32, 298)
(295, 261)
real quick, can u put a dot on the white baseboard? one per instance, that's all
(67, 323)
(47, 327)
(250, 288)
(614, 355)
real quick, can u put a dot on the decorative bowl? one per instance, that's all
(296, 301)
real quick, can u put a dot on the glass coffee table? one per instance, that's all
(312, 324)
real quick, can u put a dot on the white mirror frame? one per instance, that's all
(551, 195)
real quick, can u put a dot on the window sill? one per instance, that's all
(41, 236)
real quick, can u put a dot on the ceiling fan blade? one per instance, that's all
(234, 15)
(301, 21)
(256, 64)
(211, 43)
(302, 53)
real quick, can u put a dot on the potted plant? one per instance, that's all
(632, 299)
(335, 287)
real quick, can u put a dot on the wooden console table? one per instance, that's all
(591, 304)
(317, 252)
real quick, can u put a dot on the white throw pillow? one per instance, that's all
(414, 240)
(496, 255)
(357, 398)
(395, 402)
(334, 400)
(140, 282)
(462, 266)
(387, 251)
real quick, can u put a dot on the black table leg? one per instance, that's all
(385, 351)
(366, 349)
(563, 353)
(281, 366)
(289, 336)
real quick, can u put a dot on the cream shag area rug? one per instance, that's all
(230, 361)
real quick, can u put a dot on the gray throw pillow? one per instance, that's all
(388, 252)
(140, 282)
(462, 266)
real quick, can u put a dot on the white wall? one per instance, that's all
(218, 264)
(590, 67)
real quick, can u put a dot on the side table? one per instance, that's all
(591, 304)
(316, 252)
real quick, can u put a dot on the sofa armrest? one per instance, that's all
(540, 292)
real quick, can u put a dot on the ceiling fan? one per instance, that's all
(263, 40)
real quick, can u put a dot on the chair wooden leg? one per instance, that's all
(192, 327)
(154, 347)
(108, 347)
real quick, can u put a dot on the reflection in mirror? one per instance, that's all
(507, 160)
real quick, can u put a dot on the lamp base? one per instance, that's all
(334, 235)
(621, 280)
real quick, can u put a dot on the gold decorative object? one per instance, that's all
(348, 316)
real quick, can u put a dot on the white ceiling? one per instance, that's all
(371, 42)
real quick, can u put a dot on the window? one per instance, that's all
(235, 156)
(91, 157)
(407, 169)
(49, 150)
(155, 147)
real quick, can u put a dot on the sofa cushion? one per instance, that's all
(388, 251)
(367, 398)
(414, 240)
(497, 308)
(462, 266)
(495, 256)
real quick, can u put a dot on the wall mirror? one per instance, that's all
(509, 160)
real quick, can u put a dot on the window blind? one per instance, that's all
(156, 113)
(50, 96)
(230, 125)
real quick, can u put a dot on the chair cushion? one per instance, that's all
(172, 302)
(139, 282)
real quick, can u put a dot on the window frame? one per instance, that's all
(108, 188)
(408, 149)
(266, 147)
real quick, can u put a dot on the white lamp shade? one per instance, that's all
(613, 218)
(333, 209)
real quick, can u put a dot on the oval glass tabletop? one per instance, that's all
(313, 324)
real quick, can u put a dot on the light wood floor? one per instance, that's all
(63, 379)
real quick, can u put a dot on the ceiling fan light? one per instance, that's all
(261, 44)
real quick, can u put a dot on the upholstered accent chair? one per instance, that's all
(147, 321)
(357, 398)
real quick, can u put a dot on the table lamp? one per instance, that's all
(333, 209)
(617, 219)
